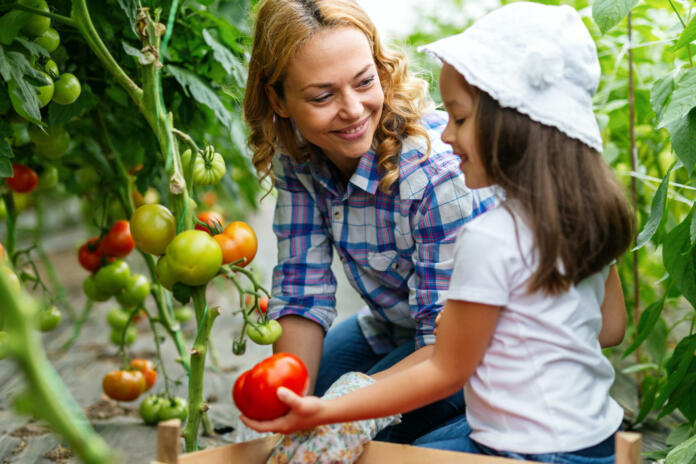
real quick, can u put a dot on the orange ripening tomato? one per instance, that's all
(148, 369)
(124, 385)
(245, 242)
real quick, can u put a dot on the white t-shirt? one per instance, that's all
(543, 383)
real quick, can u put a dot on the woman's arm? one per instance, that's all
(613, 311)
(465, 330)
(304, 338)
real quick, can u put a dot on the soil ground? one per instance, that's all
(83, 365)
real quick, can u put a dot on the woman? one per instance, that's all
(348, 138)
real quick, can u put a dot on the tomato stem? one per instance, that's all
(55, 17)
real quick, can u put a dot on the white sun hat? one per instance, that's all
(537, 59)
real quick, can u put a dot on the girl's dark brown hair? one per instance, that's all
(573, 204)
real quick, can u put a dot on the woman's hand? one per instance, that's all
(304, 413)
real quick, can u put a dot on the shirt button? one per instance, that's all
(395, 266)
(337, 214)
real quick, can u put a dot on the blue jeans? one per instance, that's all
(347, 350)
(454, 436)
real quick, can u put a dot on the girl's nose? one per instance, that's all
(447, 135)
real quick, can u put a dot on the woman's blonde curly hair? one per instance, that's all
(282, 27)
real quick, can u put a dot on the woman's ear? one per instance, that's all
(276, 102)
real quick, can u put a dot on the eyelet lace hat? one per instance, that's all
(537, 59)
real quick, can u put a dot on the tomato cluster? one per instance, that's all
(157, 408)
(254, 392)
(238, 243)
(98, 251)
(128, 384)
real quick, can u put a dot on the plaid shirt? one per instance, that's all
(396, 248)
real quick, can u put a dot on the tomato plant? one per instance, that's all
(24, 179)
(153, 227)
(254, 392)
(124, 385)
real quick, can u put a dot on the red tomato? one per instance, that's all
(2, 253)
(24, 179)
(211, 218)
(124, 385)
(118, 242)
(148, 369)
(89, 255)
(245, 242)
(254, 392)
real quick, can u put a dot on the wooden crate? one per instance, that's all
(628, 450)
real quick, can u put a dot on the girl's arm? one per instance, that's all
(463, 335)
(303, 338)
(613, 311)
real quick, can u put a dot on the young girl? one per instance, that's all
(346, 134)
(534, 294)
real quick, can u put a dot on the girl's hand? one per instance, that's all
(304, 414)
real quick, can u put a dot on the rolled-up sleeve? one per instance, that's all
(303, 283)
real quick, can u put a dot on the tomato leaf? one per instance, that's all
(130, 7)
(33, 47)
(10, 24)
(5, 155)
(688, 35)
(648, 389)
(60, 114)
(684, 453)
(692, 230)
(660, 93)
(648, 318)
(132, 51)
(229, 62)
(677, 367)
(201, 93)
(657, 211)
(608, 13)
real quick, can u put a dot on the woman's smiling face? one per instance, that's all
(460, 133)
(333, 94)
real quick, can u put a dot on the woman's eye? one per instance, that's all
(366, 82)
(321, 98)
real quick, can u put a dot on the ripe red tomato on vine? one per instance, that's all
(118, 242)
(24, 179)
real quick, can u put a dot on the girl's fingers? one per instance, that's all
(288, 397)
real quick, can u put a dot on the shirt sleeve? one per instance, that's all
(483, 269)
(303, 283)
(446, 205)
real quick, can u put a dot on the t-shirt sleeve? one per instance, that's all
(482, 268)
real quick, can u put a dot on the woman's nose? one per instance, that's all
(351, 106)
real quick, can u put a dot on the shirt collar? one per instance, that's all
(365, 177)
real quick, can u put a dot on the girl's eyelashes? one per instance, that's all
(459, 121)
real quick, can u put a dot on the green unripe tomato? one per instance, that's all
(52, 69)
(36, 24)
(49, 177)
(265, 334)
(51, 142)
(91, 290)
(67, 89)
(49, 40)
(45, 92)
(117, 318)
(49, 318)
(150, 408)
(135, 291)
(164, 274)
(183, 313)
(194, 257)
(172, 408)
(113, 277)
(116, 334)
(153, 227)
